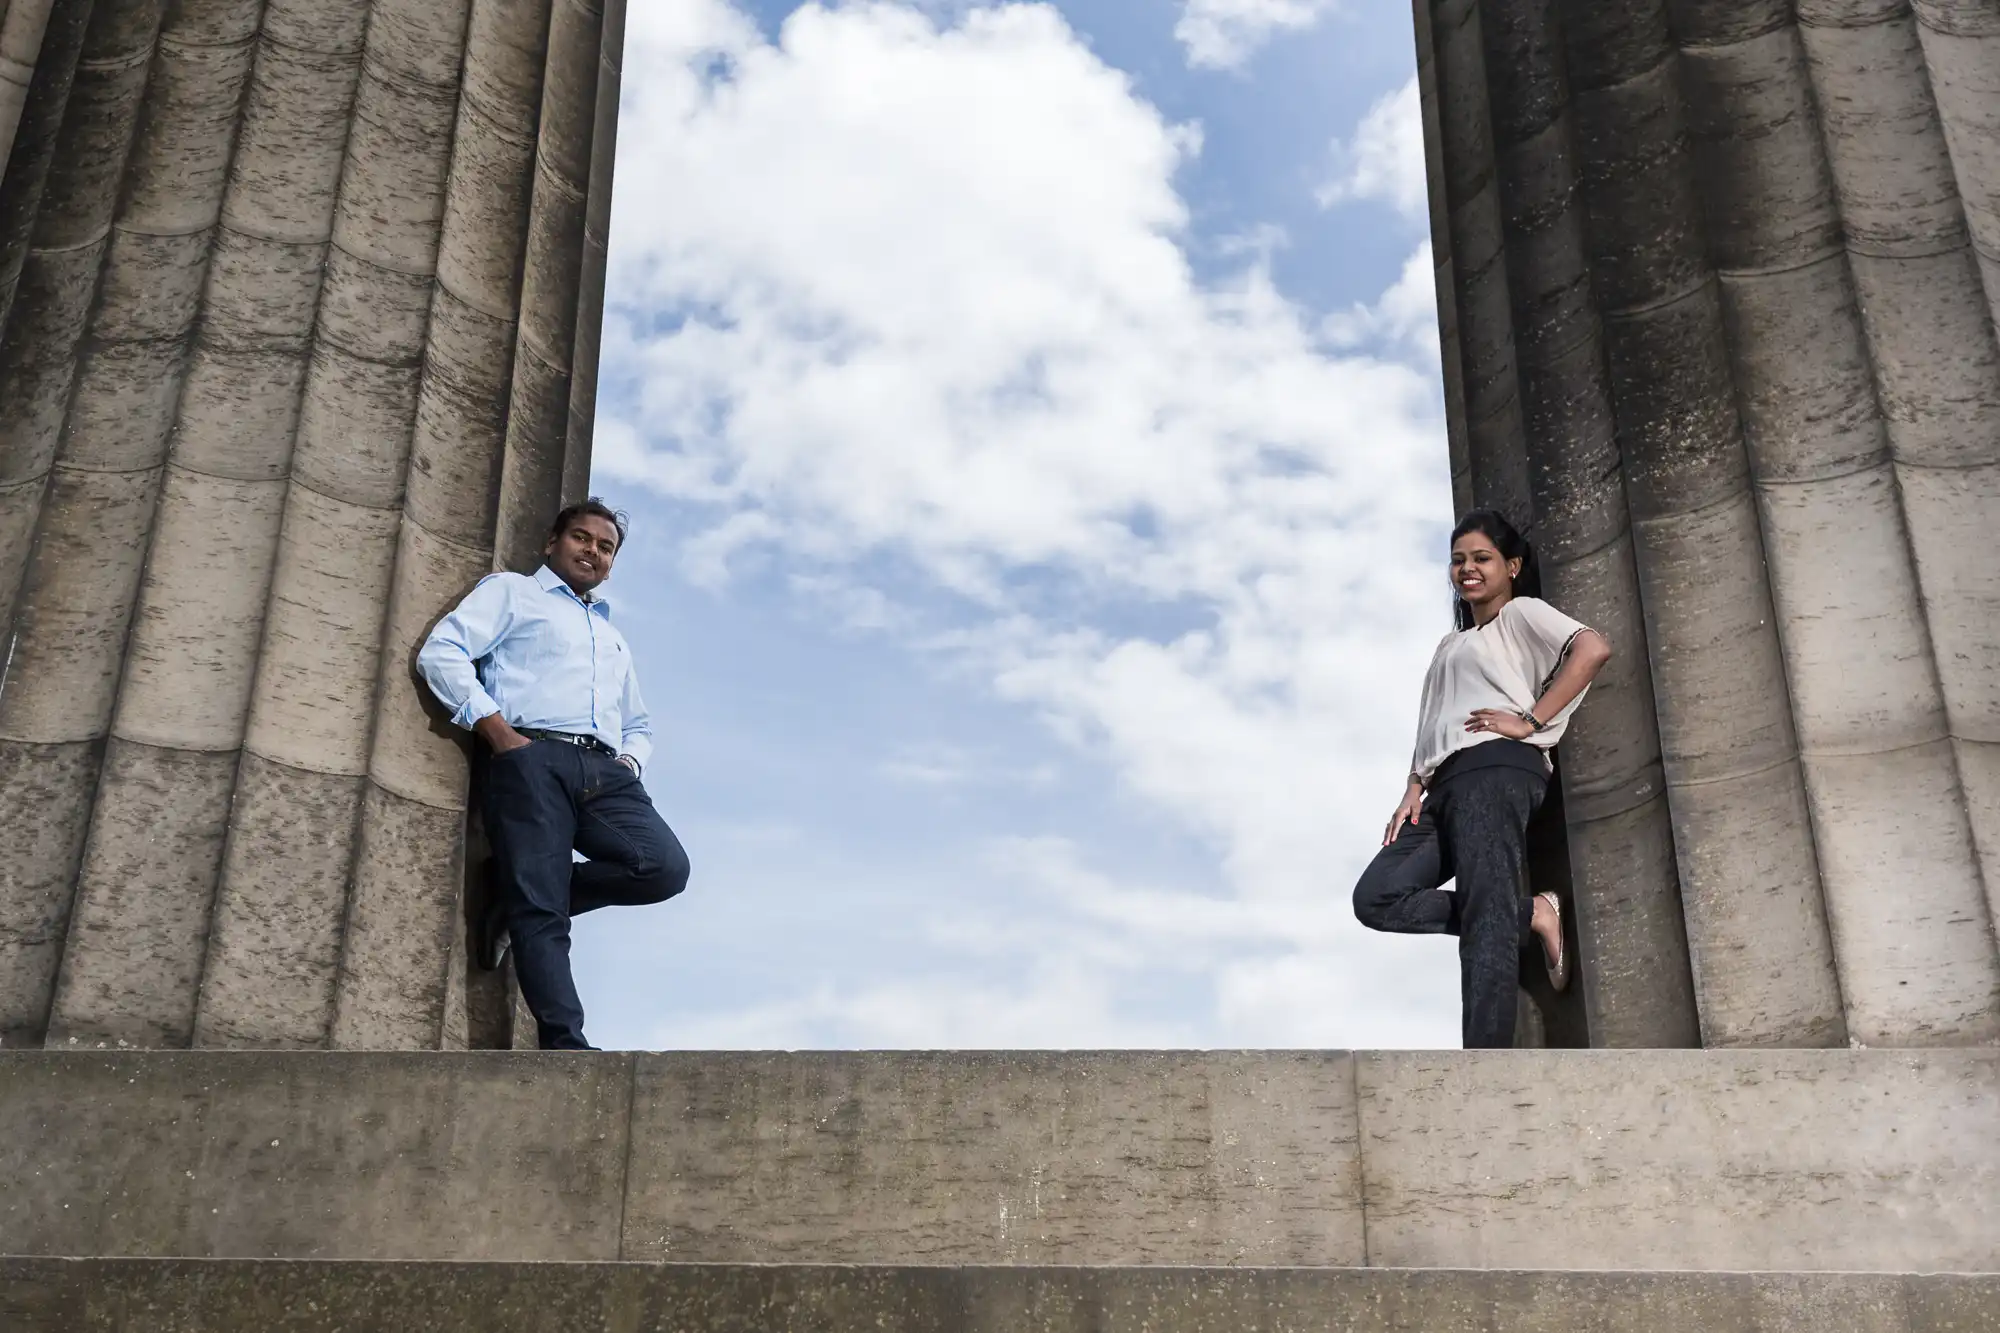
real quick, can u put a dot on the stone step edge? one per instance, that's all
(99, 1295)
(552, 1266)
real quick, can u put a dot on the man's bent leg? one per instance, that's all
(635, 859)
(531, 821)
(1487, 822)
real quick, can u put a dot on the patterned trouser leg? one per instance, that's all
(1473, 829)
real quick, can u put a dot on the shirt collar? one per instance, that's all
(551, 581)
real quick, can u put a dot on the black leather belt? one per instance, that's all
(581, 742)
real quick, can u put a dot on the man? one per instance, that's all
(534, 667)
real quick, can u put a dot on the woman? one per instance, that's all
(1499, 694)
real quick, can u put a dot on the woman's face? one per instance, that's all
(1478, 572)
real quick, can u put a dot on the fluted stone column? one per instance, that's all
(582, 415)
(106, 485)
(1637, 984)
(1960, 493)
(1933, 356)
(32, 150)
(1496, 457)
(1918, 964)
(22, 25)
(1502, 172)
(263, 367)
(1791, 241)
(1443, 269)
(1734, 781)
(277, 941)
(404, 957)
(193, 646)
(53, 278)
(76, 538)
(538, 413)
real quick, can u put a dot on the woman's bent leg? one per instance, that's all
(1399, 892)
(1488, 826)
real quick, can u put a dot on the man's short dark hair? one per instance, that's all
(594, 508)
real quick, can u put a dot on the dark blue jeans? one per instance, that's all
(1474, 828)
(540, 802)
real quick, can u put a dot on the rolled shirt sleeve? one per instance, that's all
(449, 657)
(636, 737)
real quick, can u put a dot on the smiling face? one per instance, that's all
(581, 554)
(1482, 577)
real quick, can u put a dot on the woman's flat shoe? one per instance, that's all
(1559, 969)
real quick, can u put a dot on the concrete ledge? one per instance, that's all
(973, 1157)
(1854, 1160)
(313, 1155)
(1881, 1161)
(117, 1295)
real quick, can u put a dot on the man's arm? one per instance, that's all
(636, 737)
(471, 631)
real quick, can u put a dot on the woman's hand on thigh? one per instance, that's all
(1406, 813)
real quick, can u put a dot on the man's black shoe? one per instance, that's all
(489, 924)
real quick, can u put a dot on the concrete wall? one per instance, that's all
(109, 1296)
(1723, 1161)
(1734, 262)
(263, 273)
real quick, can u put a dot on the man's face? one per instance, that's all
(581, 554)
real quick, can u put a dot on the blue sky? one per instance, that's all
(1028, 416)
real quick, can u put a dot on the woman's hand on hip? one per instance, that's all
(1500, 722)
(1406, 813)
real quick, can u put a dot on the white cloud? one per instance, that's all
(1222, 34)
(895, 286)
(1384, 160)
(1404, 316)
(938, 765)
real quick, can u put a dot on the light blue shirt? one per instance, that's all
(534, 652)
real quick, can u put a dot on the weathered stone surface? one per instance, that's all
(274, 949)
(403, 919)
(995, 1158)
(69, 626)
(46, 791)
(418, 753)
(193, 648)
(1730, 1161)
(315, 693)
(133, 957)
(313, 1155)
(1722, 1160)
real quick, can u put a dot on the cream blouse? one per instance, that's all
(1507, 664)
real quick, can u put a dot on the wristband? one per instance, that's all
(1539, 726)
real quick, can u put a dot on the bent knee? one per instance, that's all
(1367, 906)
(663, 878)
(1374, 896)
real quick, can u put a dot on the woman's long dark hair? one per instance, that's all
(1507, 539)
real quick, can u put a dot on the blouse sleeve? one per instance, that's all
(1427, 710)
(1547, 634)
